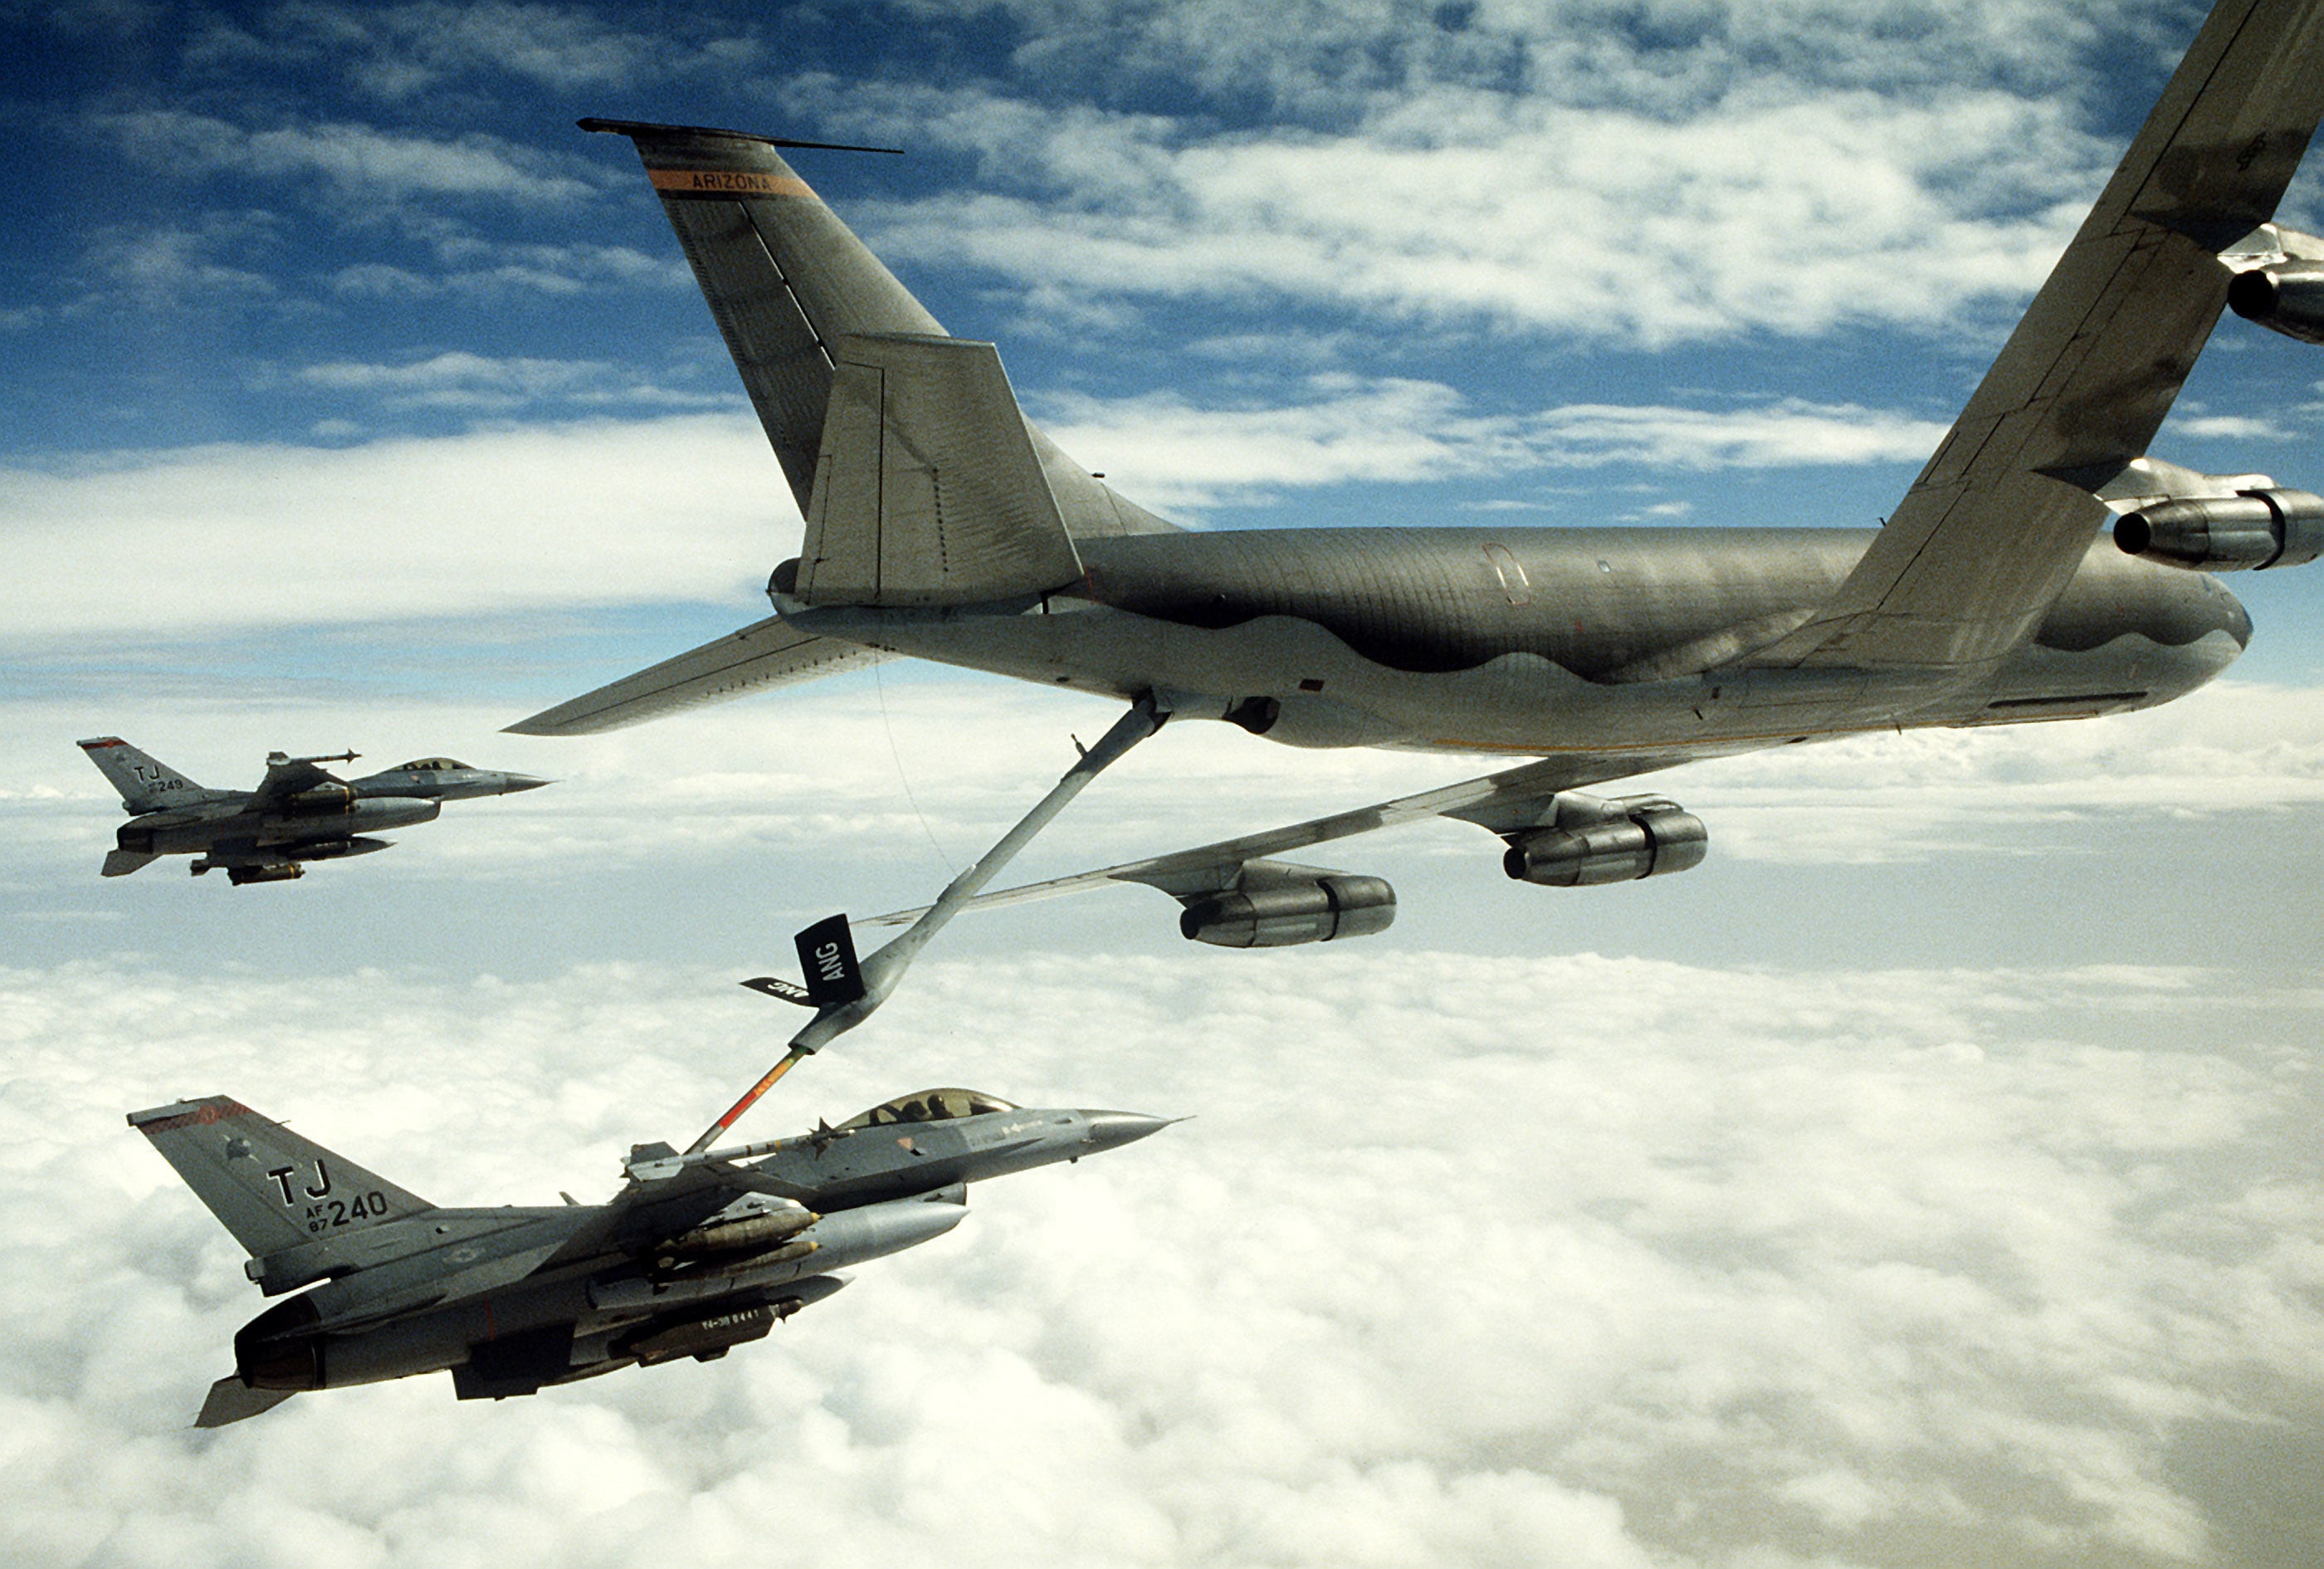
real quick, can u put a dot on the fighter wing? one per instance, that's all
(646, 1212)
(765, 653)
(1996, 524)
(287, 776)
(1506, 802)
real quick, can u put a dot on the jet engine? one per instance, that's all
(2255, 528)
(1275, 906)
(1596, 841)
(2285, 297)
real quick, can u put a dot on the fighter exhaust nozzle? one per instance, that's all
(279, 1349)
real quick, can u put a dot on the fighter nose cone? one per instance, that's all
(513, 782)
(1112, 1130)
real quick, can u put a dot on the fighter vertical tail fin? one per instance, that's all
(271, 1189)
(145, 783)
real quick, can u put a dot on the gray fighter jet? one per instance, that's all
(695, 1254)
(298, 813)
(940, 523)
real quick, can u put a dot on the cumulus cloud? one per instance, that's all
(1460, 1260)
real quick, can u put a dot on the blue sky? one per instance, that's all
(1933, 1172)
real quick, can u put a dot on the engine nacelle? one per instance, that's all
(1309, 909)
(1638, 836)
(2285, 297)
(2255, 528)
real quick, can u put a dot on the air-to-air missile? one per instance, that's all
(697, 1253)
(298, 812)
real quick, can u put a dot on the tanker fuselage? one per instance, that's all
(1545, 640)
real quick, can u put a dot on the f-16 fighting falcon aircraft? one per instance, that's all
(940, 523)
(298, 813)
(697, 1253)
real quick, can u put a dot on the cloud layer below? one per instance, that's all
(1466, 1261)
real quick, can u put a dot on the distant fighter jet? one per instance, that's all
(695, 1254)
(298, 812)
(941, 524)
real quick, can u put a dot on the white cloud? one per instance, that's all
(872, 790)
(1649, 1263)
(689, 508)
(358, 159)
(1761, 213)
(400, 51)
(459, 380)
(166, 266)
(1173, 453)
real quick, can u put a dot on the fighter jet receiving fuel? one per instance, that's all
(695, 1254)
(941, 524)
(298, 813)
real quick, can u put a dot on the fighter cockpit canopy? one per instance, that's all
(432, 765)
(928, 1106)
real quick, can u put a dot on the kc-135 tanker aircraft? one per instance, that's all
(298, 813)
(941, 524)
(697, 1253)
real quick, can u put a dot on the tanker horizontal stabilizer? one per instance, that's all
(764, 655)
